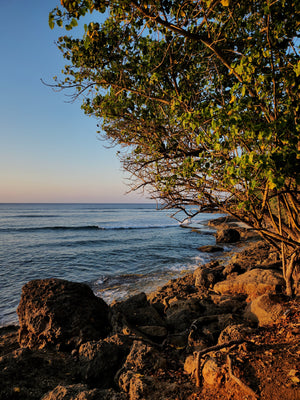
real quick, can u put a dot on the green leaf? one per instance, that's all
(87, 42)
(74, 22)
(51, 21)
(297, 68)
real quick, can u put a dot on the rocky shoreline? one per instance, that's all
(225, 331)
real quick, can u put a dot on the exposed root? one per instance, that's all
(208, 350)
(246, 388)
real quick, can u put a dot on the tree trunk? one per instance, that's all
(290, 267)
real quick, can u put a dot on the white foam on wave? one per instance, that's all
(101, 280)
(124, 227)
(116, 288)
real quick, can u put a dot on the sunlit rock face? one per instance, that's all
(55, 312)
(252, 283)
(266, 309)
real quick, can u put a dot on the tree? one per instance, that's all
(203, 96)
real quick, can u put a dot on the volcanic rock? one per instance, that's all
(134, 377)
(82, 392)
(137, 311)
(252, 283)
(233, 333)
(143, 356)
(265, 309)
(99, 361)
(55, 312)
(181, 314)
(207, 275)
(228, 235)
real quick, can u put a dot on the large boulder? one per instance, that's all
(135, 376)
(98, 361)
(207, 275)
(143, 357)
(252, 283)
(252, 256)
(265, 309)
(181, 314)
(137, 312)
(55, 312)
(228, 235)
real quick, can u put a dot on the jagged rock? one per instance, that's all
(181, 313)
(233, 268)
(143, 356)
(82, 392)
(133, 378)
(137, 311)
(228, 235)
(207, 275)
(61, 313)
(252, 256)
(137, 386)
(210, 249)
(99, 361)
(252, 283)
(233, 332)
(180, 288)
(265, 309)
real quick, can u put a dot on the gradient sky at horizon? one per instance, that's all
(49, 150)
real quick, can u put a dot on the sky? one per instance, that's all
(49, 150)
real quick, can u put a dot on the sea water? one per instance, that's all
(118, 249)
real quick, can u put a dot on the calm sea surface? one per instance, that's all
(118, 249)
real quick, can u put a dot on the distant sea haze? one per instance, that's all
(118, 249)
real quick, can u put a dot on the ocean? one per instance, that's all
(118, 249)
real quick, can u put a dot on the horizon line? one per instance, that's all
(73, 202)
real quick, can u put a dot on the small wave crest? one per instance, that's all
(52, 228)
(120, 228)
(83, 228)
(34, 216)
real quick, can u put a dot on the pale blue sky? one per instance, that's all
(49, 151)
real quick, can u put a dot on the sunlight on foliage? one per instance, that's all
(202, 96)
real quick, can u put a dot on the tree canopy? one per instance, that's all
(203, 97)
